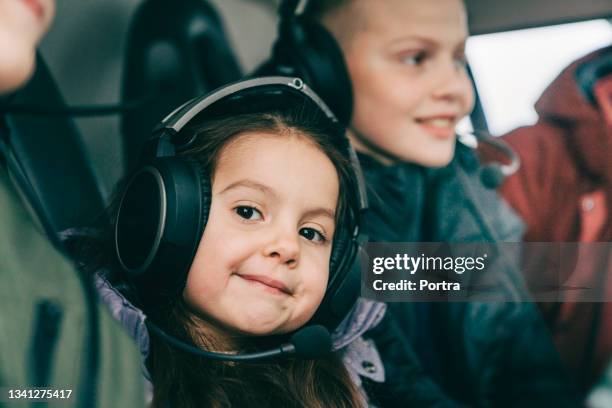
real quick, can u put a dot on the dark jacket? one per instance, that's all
(564, 192)
(449, 354)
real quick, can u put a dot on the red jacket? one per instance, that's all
(563, 191)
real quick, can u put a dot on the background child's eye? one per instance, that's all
(248, 213)
(312, 234)
(415, 58)
(461, 61)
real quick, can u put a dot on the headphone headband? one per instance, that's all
(293, 8)
(300, 7)
(177, 120)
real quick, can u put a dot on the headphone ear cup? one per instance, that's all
(344, 287)
(339, 251)
(324, 62)
(159, 225)
(205, 192)
(307, 49)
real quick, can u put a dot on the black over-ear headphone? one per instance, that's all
(306, 49)
(164, 208)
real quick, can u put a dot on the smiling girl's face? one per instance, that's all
(22, 25)
(262, 265)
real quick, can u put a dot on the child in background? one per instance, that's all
(395, 71)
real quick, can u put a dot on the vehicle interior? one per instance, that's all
(110, 70)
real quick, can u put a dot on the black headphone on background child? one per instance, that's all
(306, 49)
(164, 208)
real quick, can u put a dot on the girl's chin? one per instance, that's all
(257, 328)
(434, 161)
(435, 156)
(261, 325)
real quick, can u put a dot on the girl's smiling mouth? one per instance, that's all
(272, 285)
(440, 126)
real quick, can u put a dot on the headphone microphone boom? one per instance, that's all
(492, 175)
(310, 342)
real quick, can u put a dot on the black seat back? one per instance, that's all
(52, 157)
(175, 52)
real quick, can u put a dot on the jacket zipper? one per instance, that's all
(46, 329)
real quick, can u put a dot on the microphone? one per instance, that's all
(312, 342)
(492, 175)
(309, 342)
(163, 66)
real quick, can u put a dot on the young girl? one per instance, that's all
(261, 246)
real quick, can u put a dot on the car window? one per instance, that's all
(511, 69)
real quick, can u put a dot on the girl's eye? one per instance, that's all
(415, 58)
(312, 234)
(248, 213)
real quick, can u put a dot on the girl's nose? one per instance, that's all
(285, 247)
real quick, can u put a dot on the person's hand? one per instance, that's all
(23, 23)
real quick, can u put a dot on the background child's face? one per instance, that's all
(263, 262)
(22, 25)
(406, 61)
